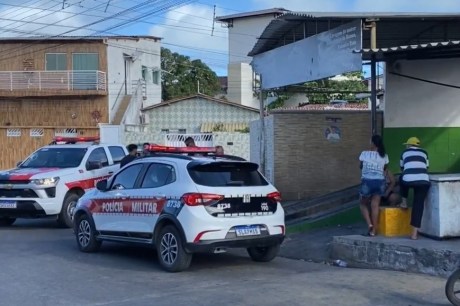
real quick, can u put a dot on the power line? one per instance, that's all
(84, 26)
(243, 56)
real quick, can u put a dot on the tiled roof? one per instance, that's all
(324, 107)
(200, 96)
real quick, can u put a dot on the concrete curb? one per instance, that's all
(438, 258)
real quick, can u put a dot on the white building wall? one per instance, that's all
(146, 52)
(255, 146)
(240, 85)
(412, 103)
(243, 36)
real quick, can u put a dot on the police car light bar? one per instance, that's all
(76, 139)
(166, 149)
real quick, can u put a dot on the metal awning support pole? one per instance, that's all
(262, 127)
(373, 26)
(374, 94)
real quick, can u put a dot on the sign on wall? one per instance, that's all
(332, 132)
(320, 56)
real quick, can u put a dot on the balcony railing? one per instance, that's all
(67, 80)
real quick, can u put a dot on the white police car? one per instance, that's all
(52, 179)
(182, 205)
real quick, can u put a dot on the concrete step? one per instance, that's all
(121, 110)
(427, 256)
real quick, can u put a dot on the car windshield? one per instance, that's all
(227, 174)
(55, 158)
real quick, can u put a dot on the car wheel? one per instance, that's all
(171, 253)
(264, 254)
(65, 218)
(5, 221)
(85, 233)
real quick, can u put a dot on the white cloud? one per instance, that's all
(187, 30)
(41, 18)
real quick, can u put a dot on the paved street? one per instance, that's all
(40, 265)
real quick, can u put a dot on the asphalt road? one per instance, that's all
(41, 265)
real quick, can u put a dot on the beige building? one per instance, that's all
(67, 86)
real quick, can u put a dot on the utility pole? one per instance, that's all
(198, 85)
(262, 127)
(372, 25)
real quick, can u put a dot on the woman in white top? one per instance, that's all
(373, 182)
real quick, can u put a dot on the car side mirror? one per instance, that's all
(101, 185)
(93, 165)
(18, 163)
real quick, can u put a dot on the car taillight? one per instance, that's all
(196, 199)
(274, 196)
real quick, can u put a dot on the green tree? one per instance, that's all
(181, 75)
(329, 89)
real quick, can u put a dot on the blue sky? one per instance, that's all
(198, 42)
(185, 29)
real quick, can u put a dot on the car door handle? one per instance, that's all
(110, 172)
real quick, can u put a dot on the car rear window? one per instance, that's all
(226, 174)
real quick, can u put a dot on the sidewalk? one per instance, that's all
(348, 243)
(315, 245)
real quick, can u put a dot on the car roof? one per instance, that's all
(82, 145)
(178, 158)
(69, 146)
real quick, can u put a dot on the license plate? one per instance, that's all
(8, 204)
(247, 231)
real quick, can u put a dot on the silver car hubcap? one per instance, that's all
(84, 233)
(169, 248)
(70, 209)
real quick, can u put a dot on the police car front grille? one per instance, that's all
(17, 193)
(8, 182)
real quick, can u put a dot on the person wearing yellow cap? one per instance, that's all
(414, 167)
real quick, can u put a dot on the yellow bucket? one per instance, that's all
(394, 222)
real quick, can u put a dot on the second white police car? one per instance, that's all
(183, 204)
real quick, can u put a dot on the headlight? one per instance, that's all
(46, 181)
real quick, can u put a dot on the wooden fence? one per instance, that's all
(16, 143)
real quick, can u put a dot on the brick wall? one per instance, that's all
(306, 164)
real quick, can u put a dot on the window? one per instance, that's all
(144, 73)
(98, 156)
(56, 61)
(117, 154)
(159, 175)
(156, 77)
(37, 132)
(126, 179)
(55, 158)
(227, 174)
(13, 133)
(85, 61)
(85, 66)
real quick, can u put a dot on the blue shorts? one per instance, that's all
(371, 188)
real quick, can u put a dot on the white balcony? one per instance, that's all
(45, 83)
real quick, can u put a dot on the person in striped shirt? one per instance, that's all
(414, 167)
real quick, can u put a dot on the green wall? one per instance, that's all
(442, 145)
